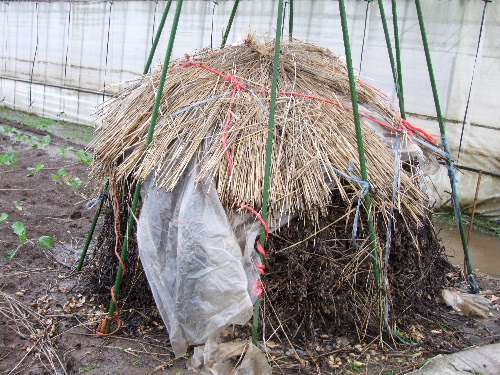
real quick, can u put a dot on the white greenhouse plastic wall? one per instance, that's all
(57, 57)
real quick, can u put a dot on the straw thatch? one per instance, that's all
(215, 106)
(312, 136)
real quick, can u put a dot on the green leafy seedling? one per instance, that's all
(20, 230)
(34, 141)
(64, 178)
(18, 205)
(46, 140)
(3, 217)
(11, 254)
(35, 169)
(84, 157)
(46, 242)
(61, 173)
(6, 129)
(19, 136)
(9, 158)
(63, 150)
(74, 182)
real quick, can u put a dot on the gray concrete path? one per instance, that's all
(484, 360)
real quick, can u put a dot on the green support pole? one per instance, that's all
(157, 37)
(146, 68)
(230, 23)
(137, 194)
(91, 231)
(290, 21)
(359, 139)
(446, 147)
(388, 42)
(399, 73)
(269, 152)
(361, 154)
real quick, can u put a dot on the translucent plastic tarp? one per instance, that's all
(200, 266)
(231, 358)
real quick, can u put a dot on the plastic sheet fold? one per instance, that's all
(199, 267)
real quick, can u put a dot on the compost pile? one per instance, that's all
(215, 110)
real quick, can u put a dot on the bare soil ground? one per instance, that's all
(47, 323)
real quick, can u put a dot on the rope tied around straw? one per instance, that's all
(314, 128)
(405, 125)
(258, 288)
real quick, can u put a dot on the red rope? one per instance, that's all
(258, 289)
(405, 124)
(102, 328)
(257, 215)
(237, 86)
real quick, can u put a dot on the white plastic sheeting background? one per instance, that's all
(87, 45)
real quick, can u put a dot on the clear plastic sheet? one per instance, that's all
(199, 267)
(230, 358)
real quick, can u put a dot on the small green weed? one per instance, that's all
(34, 141)
(88, 367)
(63, 150)
(6, 129)
(4, 216)
(21, 231)
(444, 326)
(9, 158)
(480, 224)
(35, 169)
(46, 140)
(19, 136)
(63, 177)
(356, 366)
(84, 157)
(39, 122)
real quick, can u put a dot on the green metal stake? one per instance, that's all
(269, 152)
(388, 43)
(157, 37)
(137, 194)
(446, 147)
(146, 68)
(359, 139)
(91, 231)
(290, 21)
(398, 60)
(230, 23)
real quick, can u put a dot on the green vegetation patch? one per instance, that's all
(480, 224)
(76, 132)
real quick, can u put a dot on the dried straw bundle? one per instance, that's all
(230, 127)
